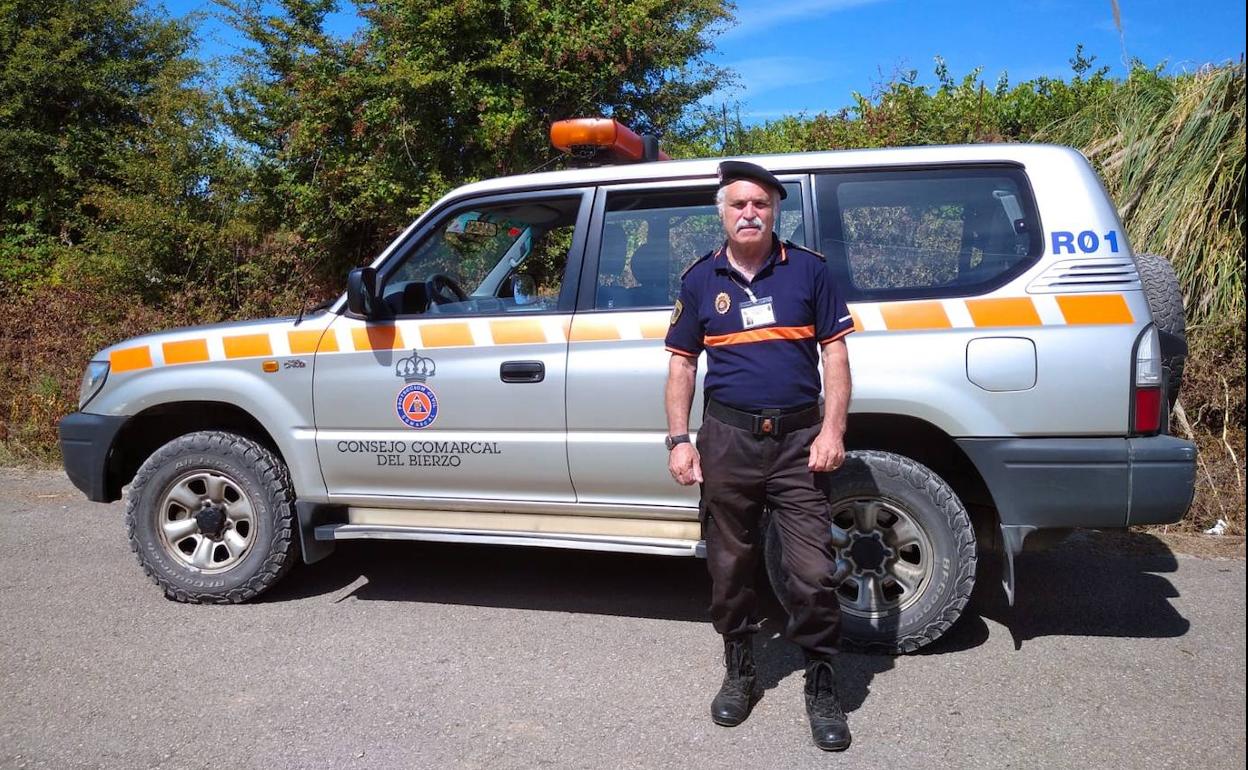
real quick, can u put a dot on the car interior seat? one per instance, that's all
(611, 259)
(651, 266)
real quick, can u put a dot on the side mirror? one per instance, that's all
(362, 297)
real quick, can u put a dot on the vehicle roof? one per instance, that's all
(1024, 154)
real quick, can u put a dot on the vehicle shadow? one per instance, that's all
(1092, 584)
(582, 582)
(658, 587)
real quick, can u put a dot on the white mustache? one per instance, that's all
(754, 221)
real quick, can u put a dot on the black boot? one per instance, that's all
(736, 695)
(828, 726)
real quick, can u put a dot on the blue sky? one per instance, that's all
(811, 55)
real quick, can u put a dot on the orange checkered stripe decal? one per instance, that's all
(352, 336)
(984, 313)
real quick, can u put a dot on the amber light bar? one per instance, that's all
(580, 136)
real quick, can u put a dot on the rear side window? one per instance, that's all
(650, 236)
(926, 233)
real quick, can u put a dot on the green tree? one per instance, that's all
(904, 112)
(72, 76)
(355, 136)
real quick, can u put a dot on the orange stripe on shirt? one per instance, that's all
(839, 335)
(761, 335)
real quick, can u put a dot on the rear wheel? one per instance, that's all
(905, 547)
(211, 518)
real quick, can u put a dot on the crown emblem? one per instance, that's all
(415, 368)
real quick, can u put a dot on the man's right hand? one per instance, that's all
(685, 465)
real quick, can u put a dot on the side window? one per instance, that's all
(502, 258)
(650, 237)
(926, 233)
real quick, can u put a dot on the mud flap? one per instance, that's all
(1012, 537)
(312, 515)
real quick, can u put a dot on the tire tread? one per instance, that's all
(274, 479)
(922, 478)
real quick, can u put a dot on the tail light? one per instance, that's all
(1147, 398)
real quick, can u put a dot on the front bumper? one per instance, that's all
(1086, 482)
(86, 443)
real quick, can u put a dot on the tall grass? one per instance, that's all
(1171, 151)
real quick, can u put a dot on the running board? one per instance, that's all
(579, 542)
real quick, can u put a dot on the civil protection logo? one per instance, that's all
(417, 406)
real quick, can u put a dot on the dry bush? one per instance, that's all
(1211, 414)
(48, 334)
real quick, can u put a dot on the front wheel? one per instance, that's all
(906, 548)
(211, 517)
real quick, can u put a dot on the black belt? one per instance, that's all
(765, 422)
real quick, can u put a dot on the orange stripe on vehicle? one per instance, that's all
(915, 315)
(655, 328)
(328, 343)
(185, 351)
(1095, 309)
(129, 359)
(761, 335)
(517, 332)
(447, 335)
(376, 337)
(594, 330)
(1003, 311)
(248, 346)
(857, 320)
(304, 342)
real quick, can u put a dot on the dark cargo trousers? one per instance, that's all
(743, 473)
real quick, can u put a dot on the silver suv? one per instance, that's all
(496, 376)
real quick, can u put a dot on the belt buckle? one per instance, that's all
(767, 425)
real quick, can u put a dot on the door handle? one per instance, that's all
(522, 371)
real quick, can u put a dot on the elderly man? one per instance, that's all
(764, 311)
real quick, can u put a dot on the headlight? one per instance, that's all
(92, 381)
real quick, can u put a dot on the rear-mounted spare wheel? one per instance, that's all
(905, 553)
(1165, 301)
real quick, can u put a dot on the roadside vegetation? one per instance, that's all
(144, 189)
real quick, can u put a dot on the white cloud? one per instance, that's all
(757, 15)
(757, 76)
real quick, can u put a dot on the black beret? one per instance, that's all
(735, 170)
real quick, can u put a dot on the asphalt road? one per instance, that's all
(414, 655)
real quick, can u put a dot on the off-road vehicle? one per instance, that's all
(496, 376)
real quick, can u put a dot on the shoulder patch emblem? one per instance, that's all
(722, 302)
(676, 312)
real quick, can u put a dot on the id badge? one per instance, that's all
(757, 313)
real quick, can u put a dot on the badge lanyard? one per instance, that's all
(756, 312)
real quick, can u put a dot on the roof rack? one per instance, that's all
(603, 140)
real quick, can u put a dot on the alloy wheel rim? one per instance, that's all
(886, 557)
(206, 521)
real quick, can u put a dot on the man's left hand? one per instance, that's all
(827, 452)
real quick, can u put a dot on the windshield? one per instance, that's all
(505, 258)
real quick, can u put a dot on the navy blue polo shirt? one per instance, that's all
(757, 365)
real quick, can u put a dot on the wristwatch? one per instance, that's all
(672, 441)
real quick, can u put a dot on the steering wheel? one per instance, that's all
(442, 289)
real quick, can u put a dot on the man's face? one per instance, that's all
(748, 213)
